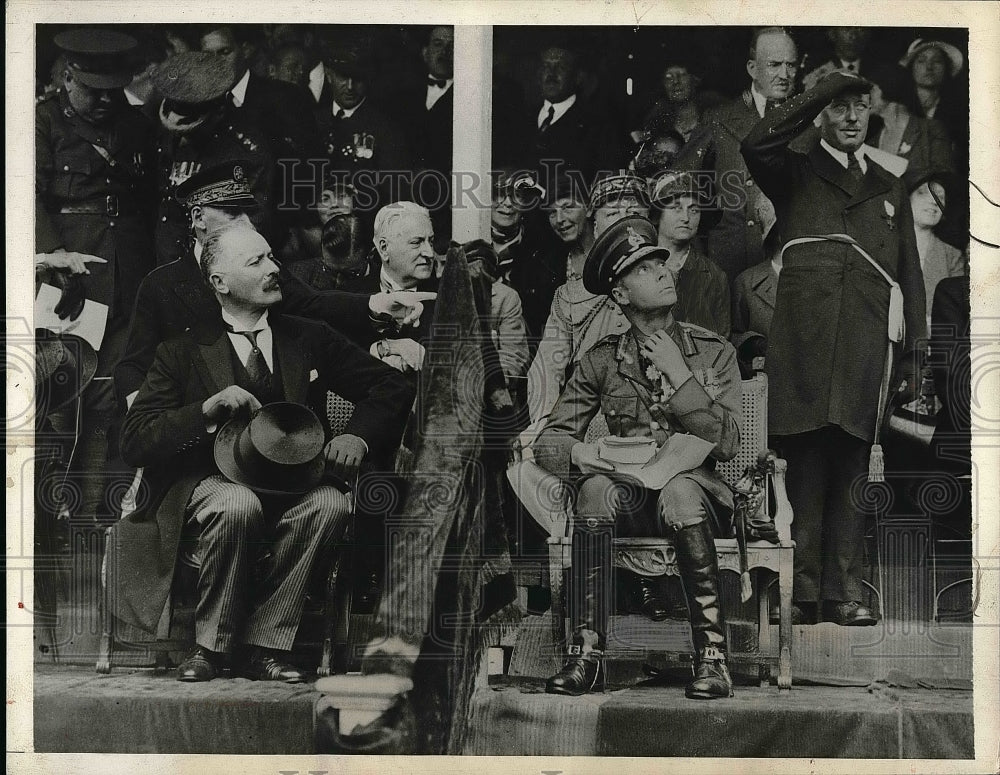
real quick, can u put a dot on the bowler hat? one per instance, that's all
(276, 451)
(221, 185)
(194, 78)
(64, 366)
(618, 249)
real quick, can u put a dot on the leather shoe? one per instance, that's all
(711, 678)
(200, 665)
(650, 602)
(849, 613)
(578, 676)
(802, 613)
(265, 665)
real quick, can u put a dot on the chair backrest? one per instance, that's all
(753, 429)
(338, 412)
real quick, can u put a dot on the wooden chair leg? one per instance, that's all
(763, 626)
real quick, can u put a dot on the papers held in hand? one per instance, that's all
(638, 457)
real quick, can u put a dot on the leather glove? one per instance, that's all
(74, 296)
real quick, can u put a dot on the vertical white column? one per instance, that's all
(473, 135)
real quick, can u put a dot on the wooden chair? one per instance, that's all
(176, 628)
(655, 556)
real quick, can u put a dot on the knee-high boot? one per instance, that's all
(699, 570)
(589, 607)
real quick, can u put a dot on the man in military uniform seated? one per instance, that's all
(660, 378)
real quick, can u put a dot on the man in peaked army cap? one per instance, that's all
(93, 195)
(660, 378)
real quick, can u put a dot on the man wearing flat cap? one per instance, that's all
(238, 478)
(659, 378)
(199, 129)
(849, 316)
(94, 157)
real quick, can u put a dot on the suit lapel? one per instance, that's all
(830, 170)
(874, 183)
(740, 117)
(765, 287)
(217, 359)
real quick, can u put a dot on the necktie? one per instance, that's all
(547, 122)
(851, 67)
(257, 370)
(341, 113)
(854, 168)
(770, 105)
(438, 82)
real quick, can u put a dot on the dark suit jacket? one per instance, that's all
(582, 138)
(703, 293)
(753, 302)
(827, 348)
(174, 299)
(535, 274)
(286, 114)
(950, 361)
(165, 432)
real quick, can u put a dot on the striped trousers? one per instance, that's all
(236, 527)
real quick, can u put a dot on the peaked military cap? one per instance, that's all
(613, 188)
(624, 244)
(222, 185)
(98, 58)
(194, 77)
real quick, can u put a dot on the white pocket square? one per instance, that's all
(313, 375)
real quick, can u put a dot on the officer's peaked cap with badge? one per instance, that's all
(221, 185)
(624, 244)
(100, 59)
(614, 188)
(353, 60)
(195, 78)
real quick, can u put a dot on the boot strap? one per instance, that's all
(712, 654)
(576, 650)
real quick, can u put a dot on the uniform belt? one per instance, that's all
(102, 205)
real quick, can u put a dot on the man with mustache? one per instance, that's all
(247, 355)
(837, 349)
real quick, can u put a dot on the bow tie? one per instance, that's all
(438, 82)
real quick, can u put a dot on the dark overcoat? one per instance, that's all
(827, 347)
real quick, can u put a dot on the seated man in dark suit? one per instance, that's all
(248, 355)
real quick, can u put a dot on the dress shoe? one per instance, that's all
(849, 613)
(711, 679)
(267, 665)
(200, 665)
(802, 613)
(578, 676)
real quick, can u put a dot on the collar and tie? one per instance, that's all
(547, 121)
(341, 114)
(854, 170)
(771, 104)
(438, 83)
(258, 371)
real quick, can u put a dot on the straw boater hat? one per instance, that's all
(955, 59)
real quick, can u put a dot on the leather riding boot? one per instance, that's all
(699, 570)
(650, 601)
(589, 607)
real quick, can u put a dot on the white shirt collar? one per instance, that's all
(260, 325)
(198, 247)
(239, 91)
(846, 63)
(841, 157)
(759, 100)
(560, 109)
(317, 76)
(348, 112)
(389, 284)
(132, 98)
(434, 92)
(498, 246)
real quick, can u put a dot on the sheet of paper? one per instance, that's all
(681, 452)
(90, 325)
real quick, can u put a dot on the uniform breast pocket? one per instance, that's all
(621, 413)
(73, 175)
